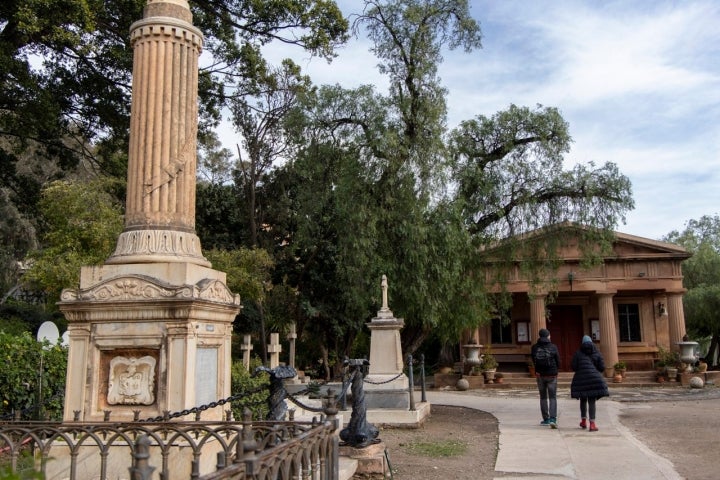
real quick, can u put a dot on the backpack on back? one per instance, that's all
(543, 358)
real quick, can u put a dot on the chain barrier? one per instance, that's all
(196, 410)
(304, 406)
(385, 381)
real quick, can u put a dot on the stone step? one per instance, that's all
(521, 380)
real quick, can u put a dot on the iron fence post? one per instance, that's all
(411, 381)
(423, 397)
(141, 469)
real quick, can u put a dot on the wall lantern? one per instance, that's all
(662, 311)
(571, 277)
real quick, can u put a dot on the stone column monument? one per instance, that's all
(150, 329)
(386, 386)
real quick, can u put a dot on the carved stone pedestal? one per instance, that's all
(152, 338)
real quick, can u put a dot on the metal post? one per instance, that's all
(141, 469)
(410, 383)
(423, 397)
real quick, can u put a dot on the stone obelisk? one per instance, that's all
(150, 329)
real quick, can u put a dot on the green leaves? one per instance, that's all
(701, 276)
(511, 179)
(81, 224)
(27, 363)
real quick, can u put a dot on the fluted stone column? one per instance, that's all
(538, 319)
(160, 205)
(608, 334)
(676, 319)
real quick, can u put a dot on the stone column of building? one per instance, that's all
(676, 318)
(608, 334)
(538, 318)
(160, 204)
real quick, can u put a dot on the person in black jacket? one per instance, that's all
(546, 359)
(588, 383)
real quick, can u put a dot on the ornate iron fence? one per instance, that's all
(195, 450)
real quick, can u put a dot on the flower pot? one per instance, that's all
(617, 378)
(490, 376)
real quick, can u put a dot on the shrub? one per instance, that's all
(256, 386)
(21, 376)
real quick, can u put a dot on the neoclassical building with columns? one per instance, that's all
(630, 304)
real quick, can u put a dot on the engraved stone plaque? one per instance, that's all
(132, 381)
(206, 367)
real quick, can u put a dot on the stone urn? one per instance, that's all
(688, 354)
(472, 354)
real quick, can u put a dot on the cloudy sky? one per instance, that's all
(638, 82)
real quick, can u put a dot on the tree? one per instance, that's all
(381, 188)
(701, 276)
(65, 66)
(510, 176)
(65, 71)
(259, 118)
(82, 222)
(17, 238)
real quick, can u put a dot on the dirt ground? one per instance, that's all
(477, 430)
(684, 431)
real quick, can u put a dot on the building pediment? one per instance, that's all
(629, 247)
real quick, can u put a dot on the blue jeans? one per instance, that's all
(548, 396)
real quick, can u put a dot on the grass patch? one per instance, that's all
(444, 448)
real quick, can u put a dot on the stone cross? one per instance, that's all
(246, 348)
(274, 350)
(291, 338)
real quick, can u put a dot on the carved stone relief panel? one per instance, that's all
(132, 381)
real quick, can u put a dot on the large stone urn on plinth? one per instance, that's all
(386, 386)
(149, 330)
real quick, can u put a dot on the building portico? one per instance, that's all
(630, 305)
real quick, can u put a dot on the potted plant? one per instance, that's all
(669, 361)
(620, 368)
(499, 377)
(489, 366)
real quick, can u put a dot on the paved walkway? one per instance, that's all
(529, 450)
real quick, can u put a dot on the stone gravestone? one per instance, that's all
(386, 385)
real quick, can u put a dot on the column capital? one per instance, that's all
(677, 292)
(606, 293)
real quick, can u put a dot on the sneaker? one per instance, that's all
(583, 423)
(545, 422)
(593, 427)
(552, 422)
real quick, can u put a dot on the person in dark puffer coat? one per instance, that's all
(588, 383)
